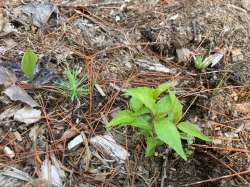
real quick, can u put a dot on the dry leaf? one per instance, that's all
(7, 78)
(149, 64)
(16, 93)
(40, 12)
(5, 25)
(50, 173)
(33, 133)
(108, 145)
(27, 115)
(58, 165)
(213, 59)
(9, 112)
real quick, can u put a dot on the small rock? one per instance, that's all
(100, 90)
(117, 18)
(18, 136)
(237, 55)
(217, 141)
(75, 142)
(183, 54)
(123, 7)
(8, 152)
(245, 4)
(247, 126)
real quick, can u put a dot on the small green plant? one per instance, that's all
(158, 118)
(28, 64)
(199, 62)
(73, 87)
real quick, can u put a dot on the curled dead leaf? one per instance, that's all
(7, 78)
(27, 115)
(16, 93)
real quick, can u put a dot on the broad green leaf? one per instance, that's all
(142, 124)
(172, 98)
(145, 133)
(168, 133)
(162, 88)
(135, 104)
(192, 130)
(176, 112)
(145, 95)
(28, 64)
(122, 117)
(189, 138)
(143, 110)
(164, 106)
(151, 145)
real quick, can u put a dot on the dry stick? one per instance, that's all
(164, 173)
(223, 125)
(221, 148)
(227, 166)
(212, 110)
(238, 119)
(43, 108)
(213, 89)
(218, 178)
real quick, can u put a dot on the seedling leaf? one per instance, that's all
(151, 144)
(168, 133)
(144, 95)
(163, 106)
(135, 104)
(73, 87)
(28, 64)
(192, 130)
(176, 108)
(140, 123)
(162, 88)
(143, 110)
(122, 117)
(157, 118)
(177, 112)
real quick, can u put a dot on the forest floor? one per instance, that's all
(117, 45)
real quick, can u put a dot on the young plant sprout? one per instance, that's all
(73, 87)
(28, 64)
(158, 117)
(199, 62)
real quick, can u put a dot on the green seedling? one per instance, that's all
(73, 87)
(28, 64)
(158, 117)
(199, 62)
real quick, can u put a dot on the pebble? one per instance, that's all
(245, 4)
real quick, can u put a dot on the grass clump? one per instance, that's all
(199, 62)
(73, 87)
